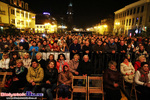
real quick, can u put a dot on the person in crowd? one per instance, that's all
(24, 43)
(21, 51)
(137, 64)
(65, 80)
(111, 47)
(87, 49)
(141, 51)
(26, 60)
(51, 58)
(112, 82)
(12, 63)
(127, 70)
(98, 48)
(55, 47)
(142, 80)
(18, 77)
(61, 62)
(34, 49)
(34, 77)
(50, 80)
(45, 47)
(69, 40)
(131, 52)
(73, 64)
(11, 44)
(122, 49)
(64, 47)
(74, 48)
(4, 62)
(41, 61)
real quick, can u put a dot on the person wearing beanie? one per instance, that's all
(34, 76)
(142, 80)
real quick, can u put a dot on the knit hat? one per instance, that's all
(143, 63)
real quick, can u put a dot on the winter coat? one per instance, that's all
(37, 74)
(126, 70)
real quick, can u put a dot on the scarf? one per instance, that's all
(144, 76)
(19, 70)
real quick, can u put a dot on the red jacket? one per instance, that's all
(58, 65)
(137, 65)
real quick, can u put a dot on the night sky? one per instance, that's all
(86, 12)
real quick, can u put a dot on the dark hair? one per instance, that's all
(143, 63)
(34, 60)
(64, 67)
(60, 55)
(125, 57)
(51, 55)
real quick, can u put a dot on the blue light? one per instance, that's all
(46, 13)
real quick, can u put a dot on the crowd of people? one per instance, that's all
(118, 58)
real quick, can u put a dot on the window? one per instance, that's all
(12, 11)
(142, 9)
(22, 4)
(138, 10)
(17, 2)
(127, 12)
(134, 11)
(137, 19)
(127, 23)
(124, 22)
(0, 20)
(141, 19)
(37, 26)
(149, 18)
(13, 21)
(131, 12)
(40, 26)
(22, 14)
(132, 21)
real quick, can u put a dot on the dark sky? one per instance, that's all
(86, 12)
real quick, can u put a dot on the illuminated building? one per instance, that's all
(16, 12)
(45, 23)
(133, 18)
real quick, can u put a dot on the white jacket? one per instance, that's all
(126, 70)
(4, 63)
(27, 63)
(137, 78)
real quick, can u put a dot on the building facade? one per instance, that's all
(45, 23)
(133, 19)
(16, 12)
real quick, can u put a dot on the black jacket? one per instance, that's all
(42, 62)
(85, 68)
(52, 76)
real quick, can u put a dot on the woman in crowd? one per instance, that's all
(40, 60)
(4, 62)
(61, 62)
(65, 80)
(127, 70)
(18, 77)
(73, 64)
(64, 47)
(50, 80)
(142, 79)
(26, 60)
(34, 77)
(12, 63)
(51, 58)
(137, 64)
(112, 82)
(55, 47)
